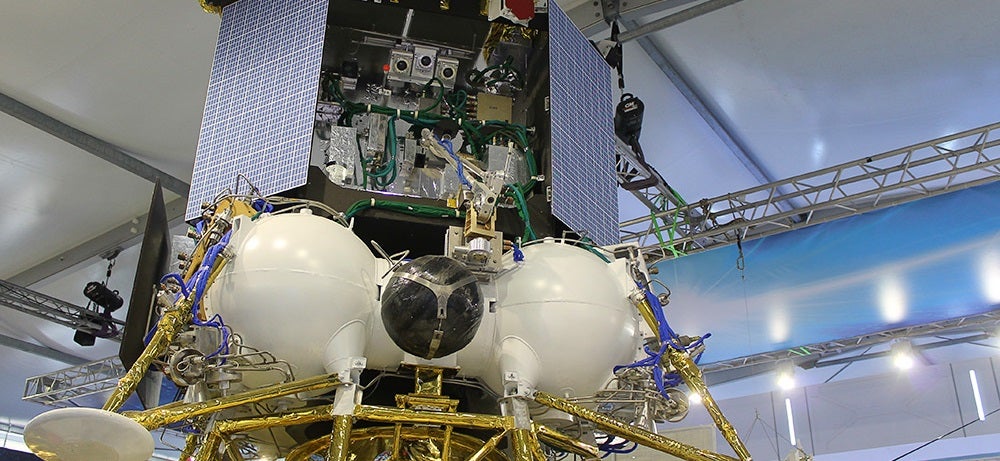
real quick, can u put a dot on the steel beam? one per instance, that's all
(40, 351)
(721, 129)
(91, 144)
(588, 15)
(672, 20)
(122, 236)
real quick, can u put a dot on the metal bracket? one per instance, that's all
(611, 10)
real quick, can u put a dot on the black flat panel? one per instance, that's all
(154, 256)
(11, 455)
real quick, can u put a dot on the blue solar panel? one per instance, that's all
(584, 185)
(261, 98)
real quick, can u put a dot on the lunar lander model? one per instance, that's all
(294, 337)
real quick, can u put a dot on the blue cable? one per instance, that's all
(446, 143)
(198, 284)
(669, 338)
(262, 206)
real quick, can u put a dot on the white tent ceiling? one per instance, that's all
(800, 85)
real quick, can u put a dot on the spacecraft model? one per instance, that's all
(420, 299)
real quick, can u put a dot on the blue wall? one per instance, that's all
(927, 260)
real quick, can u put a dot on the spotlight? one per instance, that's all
(786, 375)
(83, 338)
(103, 296)
(108, 329)
(902, 354)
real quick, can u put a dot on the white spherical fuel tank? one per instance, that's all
(564, 320)
(300, 286)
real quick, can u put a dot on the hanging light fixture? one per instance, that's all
(786, 375)
(902, 354)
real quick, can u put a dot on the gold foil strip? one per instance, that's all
(190, 445)
(292, 418)
(233, 451)
(305, 451)
(565, 443)
(166, 329)
(615, 427)
(368, 443)
(487, 447)
(446, 443)
(692, 376)
(213, 9)
(157, 417)
(340, 438)
(400, 415)
(536, 448)
(646, 311)
(519, 440)
(209, 450)
(428, 380)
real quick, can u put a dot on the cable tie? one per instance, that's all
(372, 201)
(397, 113)
(369, 108)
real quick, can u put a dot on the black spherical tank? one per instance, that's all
(432, 306)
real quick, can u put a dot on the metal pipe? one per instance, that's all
(398, 415)
(645, 438)
(340, 438)
(166, 329)
(646, 311)
(158, 417)
(674, 19)
(691, 374)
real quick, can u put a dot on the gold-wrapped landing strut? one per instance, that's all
(233, 451)
(646, 311)
(692, 376)
(169, 414)
(209, 448)
(369, 442)
(292, 418)
(166, 329)
(340, 438)
(615, 427)
(190, 445)
(565, 443)
(520, 438)
(400, 415)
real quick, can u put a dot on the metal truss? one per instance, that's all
(922, 170)
(967, 329)
(59, 388)
(56, 310)
(642, 180)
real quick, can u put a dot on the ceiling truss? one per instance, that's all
(966, 329)
(934, 167)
